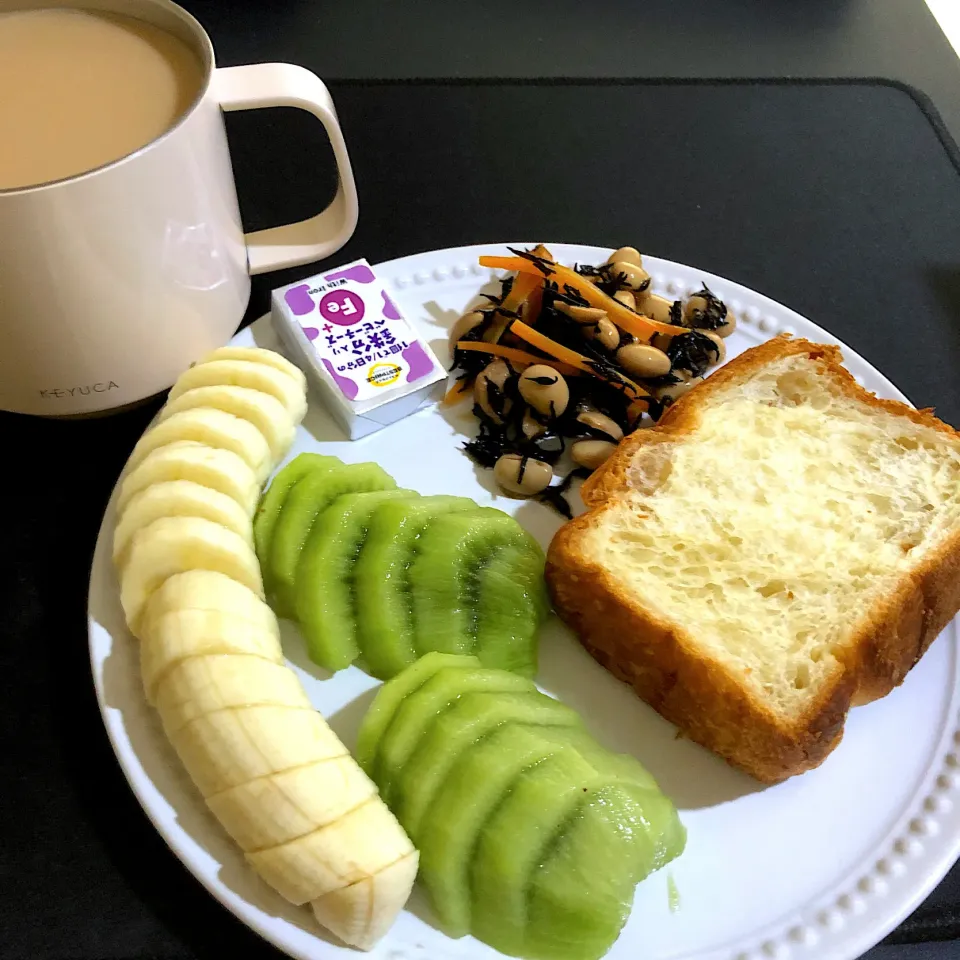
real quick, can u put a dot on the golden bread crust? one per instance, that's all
(665, 665)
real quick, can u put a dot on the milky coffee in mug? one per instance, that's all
(82, 88)
(122, 254)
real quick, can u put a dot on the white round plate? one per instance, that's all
(818, 868)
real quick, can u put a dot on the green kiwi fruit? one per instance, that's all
(531, 821)
(469, 719)
(390, 697)
(511, 603)
(307, 499)
(580, 895)
(385, 627)
(415, 716)
(265, 518)
(451, 606)
(479, 781)
(326, 602)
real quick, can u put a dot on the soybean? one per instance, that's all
(708, 315)
(629, 275)
(495, 374)
(727, 327)
(587, 315)
(466, 323)
(531, 426)
(721, 346)
(522, 476)
(544, 389)
(591, 453)
(643, 360)
(655, 307)
(627, 297)
(601, 423)
(626, 255)
(605, 333)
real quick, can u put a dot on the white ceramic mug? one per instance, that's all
(113, 282)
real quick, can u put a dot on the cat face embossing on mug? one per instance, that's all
(122, 255)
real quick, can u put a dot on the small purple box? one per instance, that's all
(362, 357)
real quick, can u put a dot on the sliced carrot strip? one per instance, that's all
(521, 293)
(518, 356)
(641, 327)
(536, 339)
(535, 298)
(638, 407)
(459, 390)
(526, 294)
(557, 350)
(519, 264)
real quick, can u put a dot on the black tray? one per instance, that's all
(841, 200)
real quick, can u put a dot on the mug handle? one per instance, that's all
(287, 85)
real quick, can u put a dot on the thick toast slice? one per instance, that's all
(781, 546)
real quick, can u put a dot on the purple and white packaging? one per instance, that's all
(361, 356)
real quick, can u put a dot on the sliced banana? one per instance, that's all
(299, 800)
(212, 591)
(177, 498)
(258, 355)
(272, 771)
(231, 747)
(214, 428)
(263, 410)
(358, 846)
(199, 685)
(244, 373)
(221, 470)
(361, 913)
(172, 545)
(180, 634)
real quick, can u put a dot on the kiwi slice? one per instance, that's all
(515, 839)
(580, 896)
(311, 495)
(471, 718)
(615, 766)
(385, 628)
(446, 578)
(268, 509)
(512, 843)
(413, 718)
(391, 695)
(511, 604)
(478, 781)
(324, 591)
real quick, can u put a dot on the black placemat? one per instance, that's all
(840, 200)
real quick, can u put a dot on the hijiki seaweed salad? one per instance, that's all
(573, 359)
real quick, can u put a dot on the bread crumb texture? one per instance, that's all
(771, 531)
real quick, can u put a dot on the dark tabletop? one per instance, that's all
(82, 873)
